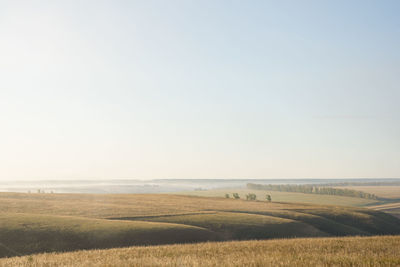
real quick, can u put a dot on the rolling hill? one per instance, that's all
(32, 223)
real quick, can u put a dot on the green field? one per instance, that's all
(348, 251)
(32, 223)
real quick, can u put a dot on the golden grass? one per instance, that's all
(245, 226)
(222, 219)
(32, 233)
(128, 205)
(354, 251)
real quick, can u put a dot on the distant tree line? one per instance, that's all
(311, 189)
(384, 183)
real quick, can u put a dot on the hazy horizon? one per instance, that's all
(199, 89)
(99, 179)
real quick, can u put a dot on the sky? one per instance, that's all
(199, 89)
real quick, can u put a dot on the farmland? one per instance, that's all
(347, 251)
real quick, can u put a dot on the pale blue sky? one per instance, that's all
(199, 89)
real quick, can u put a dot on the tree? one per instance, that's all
(235, 195)
(268, 197)
(226, 195)
(251, 196)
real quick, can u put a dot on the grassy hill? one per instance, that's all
(236, 226)
(388, 197)
(350, 251)
(391, 208)
(32, 233)
(32, 223)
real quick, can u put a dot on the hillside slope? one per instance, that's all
(22, 234)
(31, 223)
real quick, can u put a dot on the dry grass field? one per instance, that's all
(348, 251)
(32, 223)
(139, 205)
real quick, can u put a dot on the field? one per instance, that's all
(348, 251)
(289, 197)
(391, 208)
(390, 192)
(33, 223)
(27, 233)
(390, 195)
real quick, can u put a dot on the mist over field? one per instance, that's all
(118, 186)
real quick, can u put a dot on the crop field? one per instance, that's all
(344, 251)
(33, 223)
